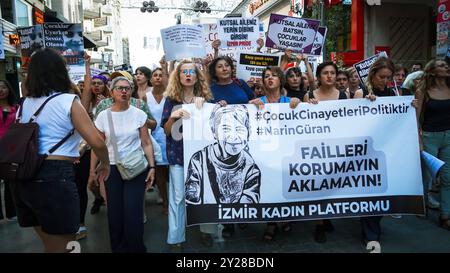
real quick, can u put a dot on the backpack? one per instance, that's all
(19, 148)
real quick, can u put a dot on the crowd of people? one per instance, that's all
(117, 116)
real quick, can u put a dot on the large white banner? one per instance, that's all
(337, 159)
(183, 41)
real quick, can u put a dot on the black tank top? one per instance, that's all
(342, 95)
(436, 117)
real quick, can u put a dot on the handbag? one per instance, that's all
(157, 151)
(134, 163)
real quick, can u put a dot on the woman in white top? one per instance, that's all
(155, 101)
(125, 197)
(50, 202)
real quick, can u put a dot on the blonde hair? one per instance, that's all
(174, 89)
(379, 64)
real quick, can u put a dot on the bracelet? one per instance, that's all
(152, 167)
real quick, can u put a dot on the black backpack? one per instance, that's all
(19, 148)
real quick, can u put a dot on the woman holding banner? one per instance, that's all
(433, 114)
(273, 82)
(326, 75)
(187, 85)
(380, 74)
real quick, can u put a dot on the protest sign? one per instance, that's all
(183, 41)
(251, 65)
(363, 67)
(329, 160)
(433, 164)
(2, 49)
(68, 40)
(31, 39)
(294, 33)
(443, 28)
(319, 42)
(238, 32)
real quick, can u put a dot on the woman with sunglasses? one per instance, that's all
(187, 85)
(125, 197)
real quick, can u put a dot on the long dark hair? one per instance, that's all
(47, 72)
(296, 71)
(147, 73)
(12, 100)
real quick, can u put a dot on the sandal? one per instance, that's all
(444, 223)
(270, 231)
(286, 227)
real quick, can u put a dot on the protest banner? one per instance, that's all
(319, 41)
(31, 39)
(433, 163)
(2, 49)
(68, 40)
(251, 65)
(363, 67)
(442, 28)
(238, 32)
(294, 33)
(183, 41)
(329, 160)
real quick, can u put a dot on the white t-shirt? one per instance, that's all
(158, 134)
(54, 123)
(126, 127)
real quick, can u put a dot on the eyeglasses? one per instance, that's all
(122, 88)
(70, 34)
(189, 72)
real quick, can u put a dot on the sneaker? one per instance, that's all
(433, 203)
(207, 239)
(81, 234)
(12, 219)
(396, 216)
(176, 248)
(373, 247)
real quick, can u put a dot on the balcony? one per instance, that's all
(96, 35)
(108, 30)
(101, 22)
(91, 14)
(107, 11)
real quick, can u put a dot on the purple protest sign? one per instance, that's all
(294, 33)
(319, 41)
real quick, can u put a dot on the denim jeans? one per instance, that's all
(438, 145)
(177, 206)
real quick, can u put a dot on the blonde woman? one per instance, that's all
(187, 84)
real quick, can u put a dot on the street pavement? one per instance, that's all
(409, 234)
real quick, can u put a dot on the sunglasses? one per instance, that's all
(189, 72)
(70, 34)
